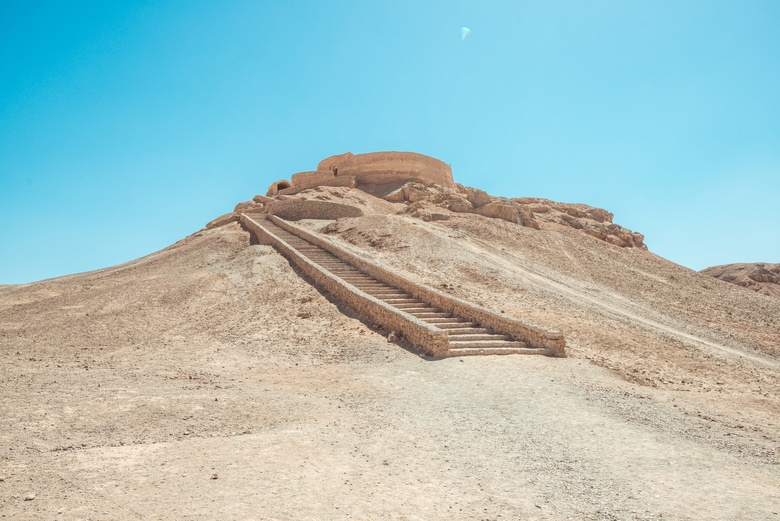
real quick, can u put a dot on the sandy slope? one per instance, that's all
(127, 389)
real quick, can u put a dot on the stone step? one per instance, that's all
(395, 302)
(469, 331)
(420, 309)
(417, 304)
(446, 321)
(483, 344)
(453, 325)
(485, 337)
(424, 315)
(475, 351)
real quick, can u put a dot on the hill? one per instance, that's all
(759, 276)
(211, 379)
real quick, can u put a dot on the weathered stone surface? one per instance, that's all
(389, 167)
(295, 209)
(596, 222)
(479, 198)
(461, 205)
(313, 182)
(428, 182)
(572, 221)
(278, 186)
(500, 210)
(600, 215)
(759, 274)
(316, 177)
(435, 217)
(760, 277)
(596, 231)
(249, 206)
(262, 199)
(222, 220)
(396, 196)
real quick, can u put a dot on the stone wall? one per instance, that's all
(278, 186)
(531, 334)
(305, 209)
(377, 168)
(302, 178)
(432, 341)
(330, 180)
(389, 167)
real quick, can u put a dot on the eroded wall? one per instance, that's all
(389, 167)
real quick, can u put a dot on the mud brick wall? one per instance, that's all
(306, 209)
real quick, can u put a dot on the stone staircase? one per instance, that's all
(464, 336)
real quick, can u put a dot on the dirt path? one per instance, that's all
(616, 306)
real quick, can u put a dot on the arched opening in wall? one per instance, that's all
(335, 171)
(281, 185)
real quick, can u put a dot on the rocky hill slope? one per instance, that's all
(211, 379)
(761, 277)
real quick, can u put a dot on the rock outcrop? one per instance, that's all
(527, 211)
(427, 188)
(760, 277)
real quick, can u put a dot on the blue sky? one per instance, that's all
(125, 126)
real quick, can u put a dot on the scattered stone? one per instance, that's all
(215, 476)
(392, 337)
(30, 497)
(248, 206)
(304, 314)
(262, 199)
(461, 206)
(435, 217)
(479, 197)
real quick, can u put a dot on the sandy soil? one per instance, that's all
(183, 385)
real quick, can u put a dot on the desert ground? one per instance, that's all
(185, 385)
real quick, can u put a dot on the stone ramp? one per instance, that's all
(454, 333)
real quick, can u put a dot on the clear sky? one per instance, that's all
(126, 126)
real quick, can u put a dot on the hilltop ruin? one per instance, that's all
(428, 191)
(377, 168)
